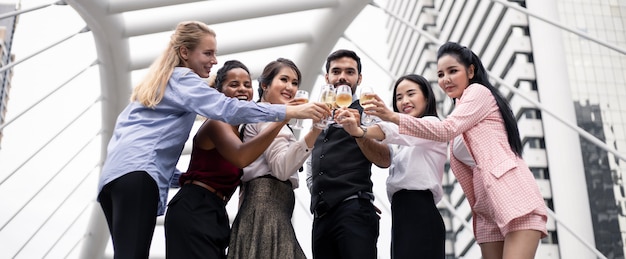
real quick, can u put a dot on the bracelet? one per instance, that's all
(364, 129)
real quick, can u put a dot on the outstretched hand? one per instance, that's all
(376, 107)
(297, 101)
(297, 109)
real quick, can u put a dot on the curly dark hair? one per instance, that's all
(221, 73)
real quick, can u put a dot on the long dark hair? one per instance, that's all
(467, 57)
(223, 71)
(427, 91)
(271, 70)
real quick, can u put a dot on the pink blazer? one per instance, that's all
(477, 118)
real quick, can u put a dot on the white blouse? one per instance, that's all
(459, 149)
(281, 159)
(416, 163)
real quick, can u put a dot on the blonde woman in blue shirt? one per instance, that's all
(415, 175)
(151, 131)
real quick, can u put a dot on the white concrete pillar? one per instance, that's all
(567, 176)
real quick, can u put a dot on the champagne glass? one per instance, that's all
(300, 94)
(327, 96)
(343, 98)
(366, 120)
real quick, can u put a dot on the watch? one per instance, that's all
(364, 131)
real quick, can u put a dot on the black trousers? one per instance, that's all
(350, 230)
(417, 228)
(196, 224)
(130, 205)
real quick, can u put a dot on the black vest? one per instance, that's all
(338, 167)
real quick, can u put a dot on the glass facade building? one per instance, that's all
(547, 53)
(7, 27)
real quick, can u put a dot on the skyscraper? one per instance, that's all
(559, 59)
(7, 27)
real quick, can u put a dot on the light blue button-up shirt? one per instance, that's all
(152, 140)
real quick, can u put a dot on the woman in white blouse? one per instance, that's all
(262, 228)
(415, 174)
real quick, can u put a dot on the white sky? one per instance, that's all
(33, 79)
(54, 168)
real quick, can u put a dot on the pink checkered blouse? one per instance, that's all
(476, 116)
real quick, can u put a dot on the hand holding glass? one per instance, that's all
(327, 96)
(366, 94)
(344, 96)
(300, 94)
(343, 99)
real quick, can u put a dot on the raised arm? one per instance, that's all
(285, 155)
(312, 110)
(475, 105)
(376, 152)
(192, 93)
(230, 146)
(380, 110)
(386, 132)
(351, 125)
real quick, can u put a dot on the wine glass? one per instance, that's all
(327, 96)
(300, 94)
(366, 120)
(343, 98)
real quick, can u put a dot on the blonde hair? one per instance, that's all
(151, 89)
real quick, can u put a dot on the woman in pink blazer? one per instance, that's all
(509, 214)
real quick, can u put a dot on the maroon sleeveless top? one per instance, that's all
(210, 167)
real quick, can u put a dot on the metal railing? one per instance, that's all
(423, 33)
(56, 175)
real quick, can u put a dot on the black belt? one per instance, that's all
(322, 207)
(209, 188)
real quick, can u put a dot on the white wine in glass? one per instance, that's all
(300, 94)
(327, 96)
(344, 96)
(343, 99)
(364, 96)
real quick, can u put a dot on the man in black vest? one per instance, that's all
(346, 224)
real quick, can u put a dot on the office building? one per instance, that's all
(562, 57)
(7, 27)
